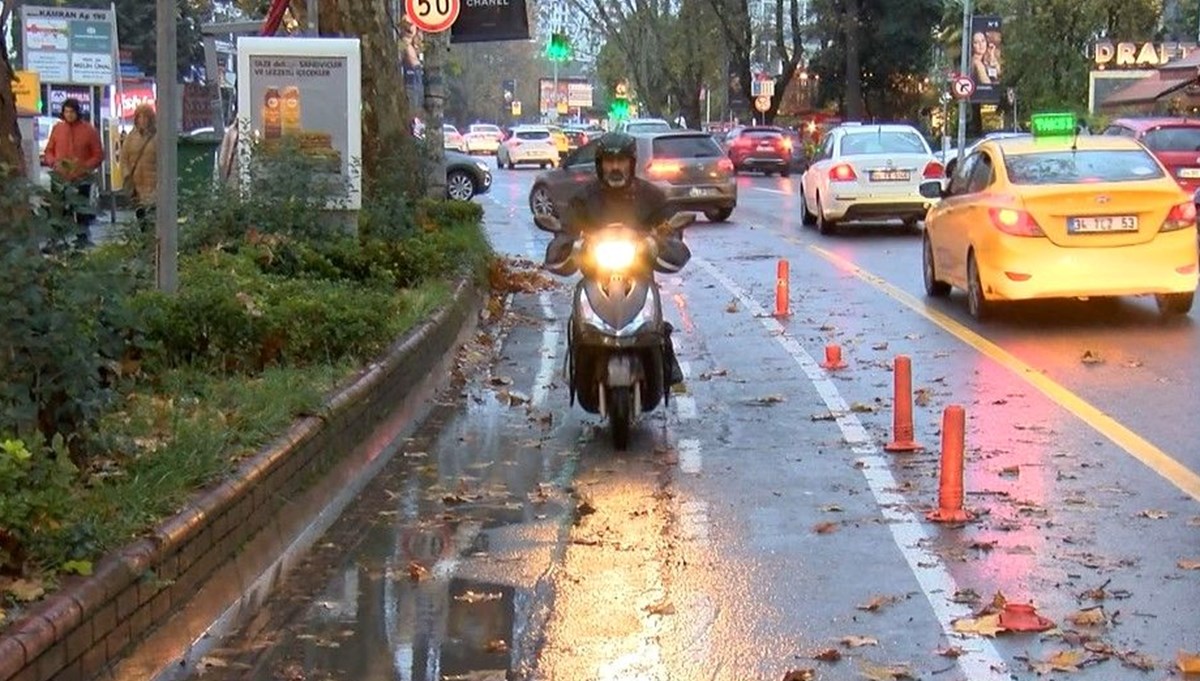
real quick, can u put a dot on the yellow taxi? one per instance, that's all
(1060, 215)
(561, 142)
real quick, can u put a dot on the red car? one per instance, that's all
(1175, 142)
(764, 148)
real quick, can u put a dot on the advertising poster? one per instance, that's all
(60, 94)
(306, 92)
(69, 45)
(986, 61)
(482, 21)
(574, 94)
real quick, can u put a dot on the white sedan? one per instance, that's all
(528, 145)
(483, 138)
(869, 172)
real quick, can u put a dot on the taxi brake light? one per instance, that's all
(934, 171)
(1181, 216)
(1015, 222)
(842, 172)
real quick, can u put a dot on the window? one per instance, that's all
(883, 142)
(1118, 130)
(691, 146)
(532, 134)
(1173, 139)
(583, 156)
(981, 175)
(962, 174)
(1082, 167)
(827, 148)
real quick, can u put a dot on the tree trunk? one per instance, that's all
(11, 160)
(436, 47)
(385, 103)
(854, 96)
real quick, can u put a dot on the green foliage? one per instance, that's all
(35, 498)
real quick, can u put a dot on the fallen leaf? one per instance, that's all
(966, 596)
(1189, 663)
(417, 572)
(213, 662)
(1092, 617)
(825, 528)
(860, 408)
(769, 399)
(832, 508)
(1189, 564)
(1062, 661)
(3, 615)
(828, 655)
(1140, 661)
(879, 346)
(1010, 470)
(1194, 521)
(415, 455)
(732, 306)
(77, 567)
(827, 416)
(709, 375)
(922, 397)
(953, 652)
(26, 589)
(662, 608)
(982, 545)
(800, 675)
(987, 625)
(877, 602)
(857, 641)
(497, 646)
(473, 597)
(453, 499)
(887, 673)
(1154, 515)
(501, 380)
(1090, 357)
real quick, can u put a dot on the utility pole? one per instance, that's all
(964, 66)
(167, 197)
(436, 46)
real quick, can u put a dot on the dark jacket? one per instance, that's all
(641, 205)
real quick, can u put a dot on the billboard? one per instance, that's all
(69, 46)
(307, 90)
(573, 94)
(482, 21)
(986, 63)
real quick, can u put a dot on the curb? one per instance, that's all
(91, 622)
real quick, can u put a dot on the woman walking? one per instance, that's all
(139, 160)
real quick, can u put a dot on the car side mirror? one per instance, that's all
(932, 189)
(681, 220)
(950, 165)
(548, 223)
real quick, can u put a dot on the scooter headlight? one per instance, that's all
(616, 255)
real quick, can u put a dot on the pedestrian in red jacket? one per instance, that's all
(74, 152)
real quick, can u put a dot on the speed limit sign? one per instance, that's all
(432, 16)
(962, 87)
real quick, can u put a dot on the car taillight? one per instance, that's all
(1181, 216)
(934, 171)
(726, 165)
(786, 143)
(663, 168)
(842, 172)
(1015, 222)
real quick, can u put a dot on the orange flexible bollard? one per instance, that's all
(833, 357)
(950, 485)
(902, 409)
(782, 291)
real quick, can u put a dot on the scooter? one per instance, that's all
(616, 363)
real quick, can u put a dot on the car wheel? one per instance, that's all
(1174, 304)
(460, 186)
(806, 215)
(824, 225)
(978, 305)
(718, 214)
(933, 287)
(540, 202)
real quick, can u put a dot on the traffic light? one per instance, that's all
(619, 108)
(559, 48)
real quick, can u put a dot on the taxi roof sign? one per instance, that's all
(1054, 124)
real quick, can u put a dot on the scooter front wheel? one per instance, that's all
(620, 416)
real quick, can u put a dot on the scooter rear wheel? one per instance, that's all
(620, 416)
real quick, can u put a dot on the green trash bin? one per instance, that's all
(196, 158)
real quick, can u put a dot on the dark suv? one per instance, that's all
(765, 148)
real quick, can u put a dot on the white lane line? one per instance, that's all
(685, 407)
(690, 460)
(983, 661)
(773, 191)
(551, 335)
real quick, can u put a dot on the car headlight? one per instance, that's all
(615, 255)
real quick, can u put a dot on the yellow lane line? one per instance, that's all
(1138, 447)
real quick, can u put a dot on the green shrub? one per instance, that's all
(35, 498)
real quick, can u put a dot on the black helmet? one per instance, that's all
(615, 145)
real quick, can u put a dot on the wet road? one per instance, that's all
(757, 524)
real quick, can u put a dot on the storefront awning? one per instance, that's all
(1147, 90)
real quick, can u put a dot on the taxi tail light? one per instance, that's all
(1015, 222)
(934, 171)
(842, 172)
(726, 165)
(1181, 216)
(663, 168)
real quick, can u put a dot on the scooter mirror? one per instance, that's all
(681, 220)
(548, 223)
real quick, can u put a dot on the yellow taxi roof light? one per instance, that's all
(1054, 124)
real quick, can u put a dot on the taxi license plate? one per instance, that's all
(1100, 224)
(890, 176)
(1189, 173)
(701, 191)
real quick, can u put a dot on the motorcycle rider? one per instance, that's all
(618, 195)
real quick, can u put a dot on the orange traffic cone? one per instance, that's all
(833, 357)
(950, 486)
(782, 292)
(902, 406)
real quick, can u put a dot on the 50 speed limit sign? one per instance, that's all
(432, 16)
(962, 87)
